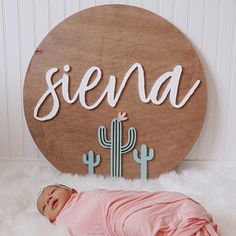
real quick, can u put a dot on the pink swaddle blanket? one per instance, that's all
(135, 213)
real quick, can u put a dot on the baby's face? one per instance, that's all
(52, 200)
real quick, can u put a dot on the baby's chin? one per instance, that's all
(54, 217)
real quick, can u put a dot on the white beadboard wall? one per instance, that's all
(209, 24)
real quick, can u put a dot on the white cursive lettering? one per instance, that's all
(112, 98)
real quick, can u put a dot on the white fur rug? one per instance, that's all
(214, 189)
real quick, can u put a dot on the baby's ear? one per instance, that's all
(73, 190)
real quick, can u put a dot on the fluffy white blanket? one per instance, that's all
(213, 188)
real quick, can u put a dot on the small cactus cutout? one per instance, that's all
(143, 159)
(115, 144)
(89, 160)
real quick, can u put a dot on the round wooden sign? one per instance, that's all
(110, 59)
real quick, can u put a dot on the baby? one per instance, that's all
(131, 213)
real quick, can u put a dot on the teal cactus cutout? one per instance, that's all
(115, 144)
(91, 162)
(144, 158)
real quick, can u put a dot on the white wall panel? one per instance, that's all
(209, 24)
(230, 136)
(42, 19)
(224, 62)
(181, 16)
(72, 6)
(166, 9)
(102, 2)
(197, 21)
(137, 3)
(150, 5)
(57, 12)
(4, 128)
(14, 85)
(119, 1)
(209, 53)
(87, 3)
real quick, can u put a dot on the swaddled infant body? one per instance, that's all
(131, 213)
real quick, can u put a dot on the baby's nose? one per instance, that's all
(49, 199)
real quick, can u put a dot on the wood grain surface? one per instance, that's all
(114, 37)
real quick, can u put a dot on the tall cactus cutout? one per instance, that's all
(144, 158)
(91, 162)
(115, 144)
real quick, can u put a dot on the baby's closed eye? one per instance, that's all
(53, 191)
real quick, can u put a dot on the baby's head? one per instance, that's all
(52, 199)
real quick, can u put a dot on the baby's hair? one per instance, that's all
(62, 186)
(57, 185)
